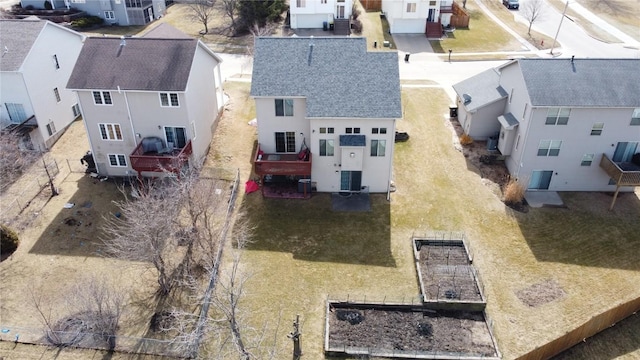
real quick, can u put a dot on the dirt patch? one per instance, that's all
(541, 293)
(463, 333)
(447, 274)
(494, 174)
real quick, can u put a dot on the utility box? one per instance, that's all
(304, 186)
(453, 111)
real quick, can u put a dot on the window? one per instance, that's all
(176, 137)
(76, 110)
(352, 130)
(109, 15)
(169, 100)
(193, 129)
(635, 118)
(56, 93)
(596, 130)
(549, 147)
(326, 147)
(524, 112)
(102, 98)
(110, 131)
(517, 142)
(326, 130)
(558, 116)
(587, 159)
(55, 62)
(323, 1)
(377, 147)
(300, 3)
(379, 130)
(624, 151)
(16, 112)
(510, 96)
(286, 141)
(117, 160)
(51, 128)
(432, 3)
(411, 7)
(284, 107)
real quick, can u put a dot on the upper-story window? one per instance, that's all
(549, 147)
(378, 147)
(56, 93)
(378, 130)
(596, 130)
(635, 118)
(110, 131)
(301, 3)
(323, 1)
(56, 64)
(326, 130)
(102, 98)
(284, 107)
(352, 130)
(411, 7)
(558, 116)
(432, 3)
(169, 100)
(326, 147)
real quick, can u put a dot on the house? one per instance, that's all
(318, 14)
(115, 12)
(149, 104)
(416, 16)
(37, 59)
(561, 124)
(326, 111)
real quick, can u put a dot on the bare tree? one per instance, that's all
(202, 11)
(91, 315)
(14, 159)
(532, 11)
(230, 10)
(145, 229)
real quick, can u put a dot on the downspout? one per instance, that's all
(86, 128)
(393, 131)
(126, 101)
(524, 143)
(220, 93)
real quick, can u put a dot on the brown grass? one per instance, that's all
(514, 192)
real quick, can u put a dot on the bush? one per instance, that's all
(466, 139)
(356, 25)
(514, 192)
(8, 240)
(87, 21)
(355, 11)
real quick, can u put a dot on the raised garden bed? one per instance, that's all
(446, 275)
(407, 331)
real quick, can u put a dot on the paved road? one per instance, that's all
(574, 40)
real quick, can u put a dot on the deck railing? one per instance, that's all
(172, 162)
(622, 177)
(281, 164)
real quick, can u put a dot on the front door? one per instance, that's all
(340, 12)
(432, 15)
(540, 180)
(350, 180)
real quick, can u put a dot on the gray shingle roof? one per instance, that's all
(165, 31)
(583, 82)
(483, 89)
(338, 77)
(17, 38)
(141, 64)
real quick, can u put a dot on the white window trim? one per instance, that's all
(552, 145)
(102, 98)
(107, 126)
(51, 128)
(56, 63)
(557, 116)
(117, 158)
(635, 117)
(597, 131)
(327, 142)
(170, 99)
(56, 94)
(193, 130)
(411, 7)
(110, 12)
(284, 107)
(378, 141)
(587, 158)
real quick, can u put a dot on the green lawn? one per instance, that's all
(303, 252)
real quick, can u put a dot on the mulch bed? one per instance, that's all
(464, 333)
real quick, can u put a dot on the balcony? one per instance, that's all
(281, 164)
(159, 161)
(624, 173)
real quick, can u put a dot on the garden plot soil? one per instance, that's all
(447, 274)
(465, 333)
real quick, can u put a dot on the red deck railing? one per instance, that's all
(281, 164)
(155, 162)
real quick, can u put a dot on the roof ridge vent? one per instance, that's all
(123, 43)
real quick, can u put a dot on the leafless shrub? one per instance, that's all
(514, 192)
(466, 139)
(14, 160)
(202, 11)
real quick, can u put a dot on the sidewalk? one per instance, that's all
(596, 20)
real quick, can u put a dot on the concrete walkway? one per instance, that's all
(538, 199)
(599, 22)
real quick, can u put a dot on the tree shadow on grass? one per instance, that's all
(311, 231)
